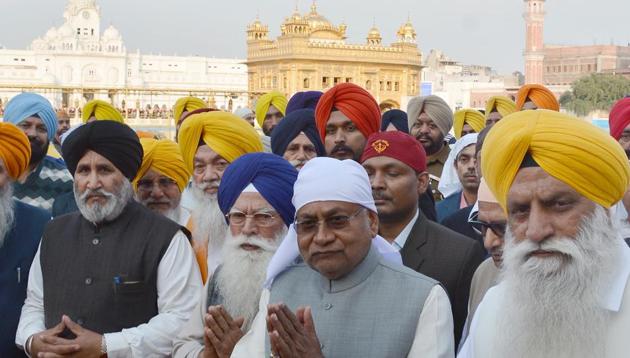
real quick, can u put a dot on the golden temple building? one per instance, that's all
(312, 54)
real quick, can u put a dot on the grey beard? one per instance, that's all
(209, 222)
(243, 273)
(7, 212)
(552, 305)
(99, 213)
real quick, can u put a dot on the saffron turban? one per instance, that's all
(113, 140)
(29, 104)
(273, 98)
(272, 176)
(355, 103)
(243, 112)
(302, 120)
(102, 111)
(226, 134)
(187, 104)
(15, 150)
(474, 118)
(398, 145)
(435, 107)
(146, 134)
(570, 150)
(303, 100)
(165, 157)
(542, 97)
(449, 182)
(396, 117)
(619, 117)
(502, 104)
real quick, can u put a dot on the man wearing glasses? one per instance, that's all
(337, 289)
(255, 196)
(162, 178)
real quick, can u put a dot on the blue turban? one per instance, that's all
(29, 104)
(303, 100)
(271, 175)
(290, 126)
(396, 117)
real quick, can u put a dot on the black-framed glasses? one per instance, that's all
(261, 218)
(148, 185)
(334, 222)
(481, 227)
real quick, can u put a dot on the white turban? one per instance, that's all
(243, 112)
(449, 182)
(328, 179)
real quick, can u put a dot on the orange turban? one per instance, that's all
(355, 103)
(540, 95)
(15, 149)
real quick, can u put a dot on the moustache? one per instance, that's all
(379, 195)
(296, 163)
(341, 148)
(95, 192)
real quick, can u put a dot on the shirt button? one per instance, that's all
(95, 241)
(328, 306)
(88, 281)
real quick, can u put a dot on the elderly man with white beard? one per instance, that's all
(114, 278)
(255, 196)
(564, 289)
(21, 227)
(209, 142)
(296, 138)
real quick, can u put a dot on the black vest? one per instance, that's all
(105, 277)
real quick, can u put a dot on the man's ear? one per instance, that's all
(373, 217)
(423, 182)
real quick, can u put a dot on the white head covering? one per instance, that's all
(449, 182)
(243, 111)
(327, 179)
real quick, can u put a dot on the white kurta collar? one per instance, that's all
(612, 295)
(401, 239)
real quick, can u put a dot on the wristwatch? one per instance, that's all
(103, 347)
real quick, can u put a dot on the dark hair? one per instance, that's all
(480, 138)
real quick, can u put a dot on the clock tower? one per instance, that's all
(84, 17)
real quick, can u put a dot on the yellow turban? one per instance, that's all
(187, 104)
(542, 97)
(225, 133)
(15, 149)
(101, 110)
(473, 117)
(274, 98)
(502, 104)
(569, 149)
(165, 157)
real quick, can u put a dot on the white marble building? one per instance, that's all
(75, 62)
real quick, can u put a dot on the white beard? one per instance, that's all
(7, 212)
(209, 222)
(173, 214)
(243, 273)
(97, 213)
(552, 306)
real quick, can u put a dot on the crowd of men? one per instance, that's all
(316, 226)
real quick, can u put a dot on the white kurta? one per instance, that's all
(178, 286)
(616, 299)
(433, 338)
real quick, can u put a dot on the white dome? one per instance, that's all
(65, 31)
(111, 33)
(51, 33)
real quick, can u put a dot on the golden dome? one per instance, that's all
(317, 21)
(374, 32)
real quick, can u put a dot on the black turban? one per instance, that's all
(303, 100)
(115, 141)
(302, 120)
(396, 117)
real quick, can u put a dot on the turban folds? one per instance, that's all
(102, 111)
(502, 104)
(303, 100)
(397, 118)
(165, 157)
(273, 98)
(398, 145)
(296, 122)
(474, 118)
(355, 103)
(15, 150)
(435, 107)
(570, 150)
(272, 176)
(115, 141)
(619, 117)
(542, 97)
(29, 104)
(187, 104)
(226, 134)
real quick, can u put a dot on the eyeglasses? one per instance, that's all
(335, 222)
(481, 227)
(147, 185)
(261, 219)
